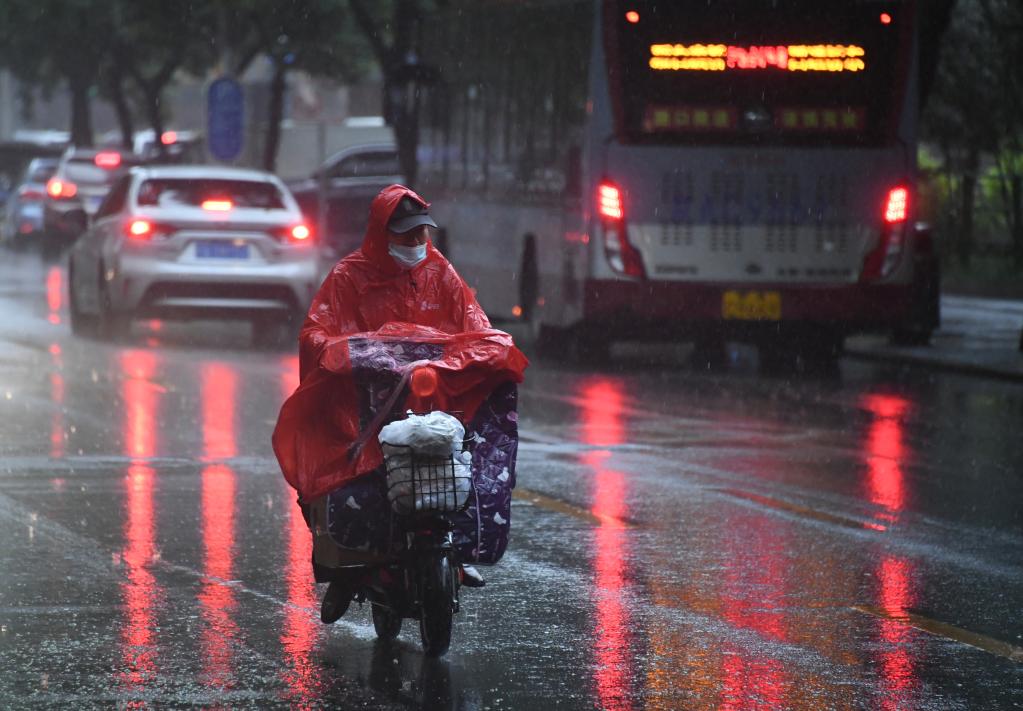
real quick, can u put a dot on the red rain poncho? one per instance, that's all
(367, 295)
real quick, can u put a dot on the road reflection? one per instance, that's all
(602, 425)
(57, 437)
(139, 589)
(216, 599)
(300, 634)
(886, 487)
(885, 454)
(54, 293)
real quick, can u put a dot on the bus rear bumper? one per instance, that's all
(649, 309)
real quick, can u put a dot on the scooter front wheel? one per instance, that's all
(437, 594)
(386, 622)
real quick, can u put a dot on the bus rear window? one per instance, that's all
(740, 71)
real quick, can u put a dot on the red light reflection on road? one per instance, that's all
(219, 382)
(896, 597)
(54, 293)
(753, 598)
(885, 453)
(219, 405)
(140, 590)
(603, 426)
(140, 397)
(289, 376)
(300, 629)
(57, 396)
(217, 598)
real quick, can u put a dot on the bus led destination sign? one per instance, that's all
(722, 57)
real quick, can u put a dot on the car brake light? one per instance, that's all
(621, 254)
(217, 205)
(295, 234)
(140, 229)
(61, 189)
(881, 261)
(896, 206)
(107, 159)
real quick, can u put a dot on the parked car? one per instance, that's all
(23, 216)
(350, 179)
(347, 212)
(186, 242)
(16, 154)
(182, 146)
(75, 191)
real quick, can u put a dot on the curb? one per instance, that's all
(936, 362)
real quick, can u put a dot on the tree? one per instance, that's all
(311, 36)
(1005, 20)
(395, 43)
(150, 43)
(974, 113)
(959, 117)
(46, 41)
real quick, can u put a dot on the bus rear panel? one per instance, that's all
(759, 162)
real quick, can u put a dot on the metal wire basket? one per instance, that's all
(418, 483)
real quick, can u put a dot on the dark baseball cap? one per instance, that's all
(408, 215)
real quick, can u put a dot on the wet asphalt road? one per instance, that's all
(681, 539)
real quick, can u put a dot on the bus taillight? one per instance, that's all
(609, 201)
(896, 206)
(882, 260)
(621, 255)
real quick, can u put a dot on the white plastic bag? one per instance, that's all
(433, 434)
(434, 442)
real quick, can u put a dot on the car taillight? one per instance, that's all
(143, 230)
(108, 160)
(295, 234)
(61, 189)
(621, 254)
(883, 259)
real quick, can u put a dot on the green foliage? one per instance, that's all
(973, 122)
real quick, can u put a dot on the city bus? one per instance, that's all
(713, 171)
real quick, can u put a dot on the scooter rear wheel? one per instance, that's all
(437, 586)
(386, 622)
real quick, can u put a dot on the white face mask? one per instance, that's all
(407, 257)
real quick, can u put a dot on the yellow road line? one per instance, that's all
(563, 507)
(947, 631)
(801, 510)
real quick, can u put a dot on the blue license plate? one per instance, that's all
(221, 250)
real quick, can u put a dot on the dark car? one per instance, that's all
(23, 216)
(77, 188)
(350, 179)
(15, 155)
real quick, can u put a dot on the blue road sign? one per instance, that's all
(225, 116)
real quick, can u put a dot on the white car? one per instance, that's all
(194, 242)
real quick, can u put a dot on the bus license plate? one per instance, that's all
(751, 305)
(221, 250)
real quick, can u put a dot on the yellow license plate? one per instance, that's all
(751, 305)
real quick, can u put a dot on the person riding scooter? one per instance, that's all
(396, 277)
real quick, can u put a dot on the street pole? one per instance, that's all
(321, 203)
